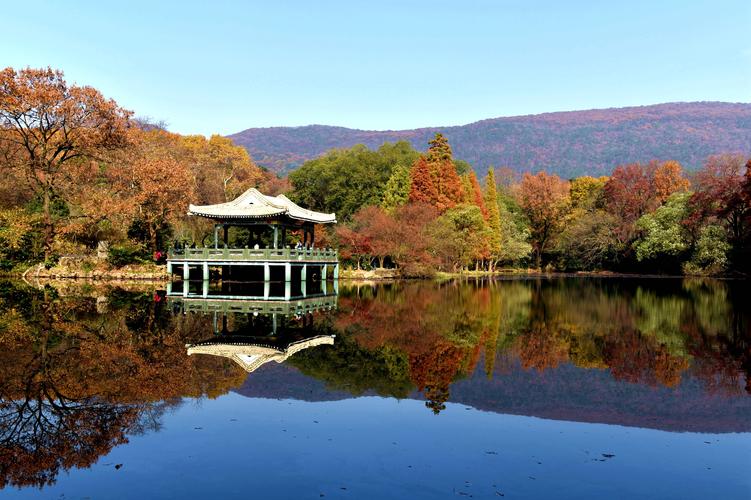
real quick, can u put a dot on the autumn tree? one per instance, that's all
(636, 189)
(422, 188)
(223, 170)
(159, 193)
(434, 177)
(723, 196)
(477, 196)
(545, 201)
(47, 125)
(493, 216)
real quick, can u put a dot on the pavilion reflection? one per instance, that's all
(255, 323)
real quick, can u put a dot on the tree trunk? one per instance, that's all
(153, 238)
(49, 229)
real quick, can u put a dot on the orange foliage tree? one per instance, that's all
(545, 201)
(47, 126)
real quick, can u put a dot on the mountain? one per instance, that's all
(568, 143)
(563, 393)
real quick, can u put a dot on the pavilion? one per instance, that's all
(267, 222)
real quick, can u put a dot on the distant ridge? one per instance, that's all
(569, 143)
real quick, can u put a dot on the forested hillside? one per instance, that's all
(569, 144)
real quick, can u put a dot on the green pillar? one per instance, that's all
(287, 272)
(304, 272)
(266, 272)
(276, 237)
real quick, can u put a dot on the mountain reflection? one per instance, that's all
(86, 367)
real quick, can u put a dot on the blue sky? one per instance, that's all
(220, 67)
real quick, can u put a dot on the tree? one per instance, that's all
(160, 191)
(663, 234)
(396, 191)
(545, 201)
(422, 188)
(434, 177)
(223, 170)
(636, 189)
(344, 180)
(460, 236)
(493, 216)
(47, 126)
(723, 196)
(476, 194)
(378, 228)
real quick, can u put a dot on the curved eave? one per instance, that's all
(263, 216)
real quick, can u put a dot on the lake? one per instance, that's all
(558, 387)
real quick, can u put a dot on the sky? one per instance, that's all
(221, 67)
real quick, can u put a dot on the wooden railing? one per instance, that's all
(254, 254)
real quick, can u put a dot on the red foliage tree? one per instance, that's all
(477, 197)
(724, 193)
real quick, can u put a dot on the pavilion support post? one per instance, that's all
(336, 271)
(226, 235)
(216, 236)
(205, 288)
(169, 268)
(304, 288)
(266, 272)
(324, 272)
(287, 290)
(276, 237)
(205, 271)
(324, 286)
(304, 272)
(266, 289)
(186, 271)
(287, 272)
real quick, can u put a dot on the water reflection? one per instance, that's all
(84, 368)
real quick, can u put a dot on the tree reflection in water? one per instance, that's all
(85, 368)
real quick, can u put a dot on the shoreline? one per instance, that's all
(158, 274)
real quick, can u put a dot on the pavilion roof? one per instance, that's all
(250, 355)
(253, 204)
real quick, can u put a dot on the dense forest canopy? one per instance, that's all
(80, 172)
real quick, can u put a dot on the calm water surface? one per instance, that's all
(565, 388)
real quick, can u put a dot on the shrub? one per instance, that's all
(128, 253)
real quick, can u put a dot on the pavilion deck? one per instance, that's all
(227, 256)
(320, 260)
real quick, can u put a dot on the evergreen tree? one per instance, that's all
(494, 214)
(476, 194)
(443, 173)
(422, 189)
(396, 192)
(467, 188)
